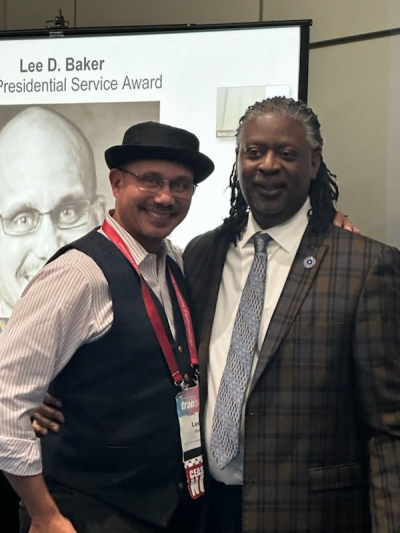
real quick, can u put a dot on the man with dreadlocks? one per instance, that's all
(301, 388)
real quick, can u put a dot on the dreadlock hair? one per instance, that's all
(323, 189)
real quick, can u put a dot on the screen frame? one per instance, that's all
(94, 122)
(98, 31)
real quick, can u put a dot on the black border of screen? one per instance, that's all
(57, 33)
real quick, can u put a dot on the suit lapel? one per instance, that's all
(218, 253)
(294, 292)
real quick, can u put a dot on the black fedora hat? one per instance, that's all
(152, 140)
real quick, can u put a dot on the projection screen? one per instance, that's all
(94, 84)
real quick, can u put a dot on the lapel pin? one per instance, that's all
(309, 262)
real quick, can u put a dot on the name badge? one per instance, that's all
(188, 408)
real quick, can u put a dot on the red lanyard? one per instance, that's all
(153, 313)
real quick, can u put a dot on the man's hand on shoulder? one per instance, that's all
(343, 221)
(48, 417)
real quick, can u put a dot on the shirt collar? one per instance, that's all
(136, 249)
(286, 235)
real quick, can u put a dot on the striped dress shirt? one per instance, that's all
(66, 305)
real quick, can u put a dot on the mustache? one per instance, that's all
(159, 208)
(269, 182)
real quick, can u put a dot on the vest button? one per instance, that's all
(180, 349)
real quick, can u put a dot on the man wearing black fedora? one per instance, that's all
(106, 325)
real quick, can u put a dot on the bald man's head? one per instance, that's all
(48, 184)
(47, 140)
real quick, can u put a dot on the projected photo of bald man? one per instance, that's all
(49, 192)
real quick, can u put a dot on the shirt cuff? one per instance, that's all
(20, 457)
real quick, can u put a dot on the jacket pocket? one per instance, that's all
(337, 477)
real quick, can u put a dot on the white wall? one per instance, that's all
(338, 18)
(28, 14)
(128, 12)
(3, 14)
(23, 14)
(354, 89)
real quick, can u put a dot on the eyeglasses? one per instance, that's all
(67, 215)
(153, 183)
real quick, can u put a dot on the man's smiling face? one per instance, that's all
(275, 166)
(150, 216)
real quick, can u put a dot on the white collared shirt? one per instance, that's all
(281, 252)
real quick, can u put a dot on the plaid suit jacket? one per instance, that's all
(322, 430)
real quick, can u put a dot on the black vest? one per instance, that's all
(120, 442)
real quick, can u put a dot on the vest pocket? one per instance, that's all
(337, 477)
